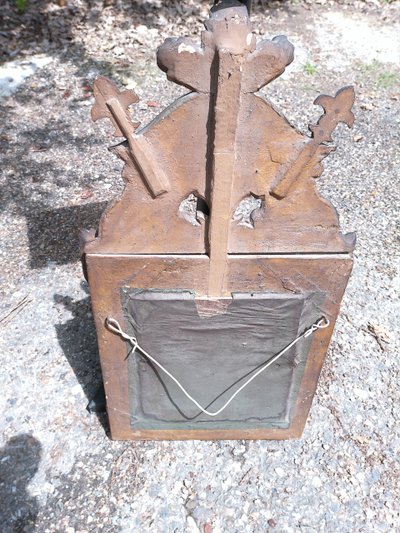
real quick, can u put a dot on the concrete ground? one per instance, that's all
(59, 471)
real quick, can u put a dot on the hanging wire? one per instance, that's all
(114, 326)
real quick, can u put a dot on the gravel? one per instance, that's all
(58, 469)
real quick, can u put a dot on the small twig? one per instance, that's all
(117, 462)
(381, 336)
(5, 320)
(244, 476)
(39, 149)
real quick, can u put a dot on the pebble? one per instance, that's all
(316, 482)
(191, 525)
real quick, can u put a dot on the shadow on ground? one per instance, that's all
(31, 186)
(53, 234)
(43, 24)
(78, 340)
(19, 462)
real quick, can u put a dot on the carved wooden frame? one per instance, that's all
(225, 145)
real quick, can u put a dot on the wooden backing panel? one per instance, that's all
(302, 221)
(138, 223)
(107, 274)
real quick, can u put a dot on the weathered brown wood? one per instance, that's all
(267, 155)
(220, 198)
(245, 273)
(226, 122)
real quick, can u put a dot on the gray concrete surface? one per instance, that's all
(58, 469)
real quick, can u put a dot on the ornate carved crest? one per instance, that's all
(224, 149)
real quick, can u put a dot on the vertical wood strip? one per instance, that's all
(226, 115)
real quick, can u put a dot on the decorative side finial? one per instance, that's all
(113, 104)
(336, 109)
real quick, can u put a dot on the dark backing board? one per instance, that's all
(212, 353)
